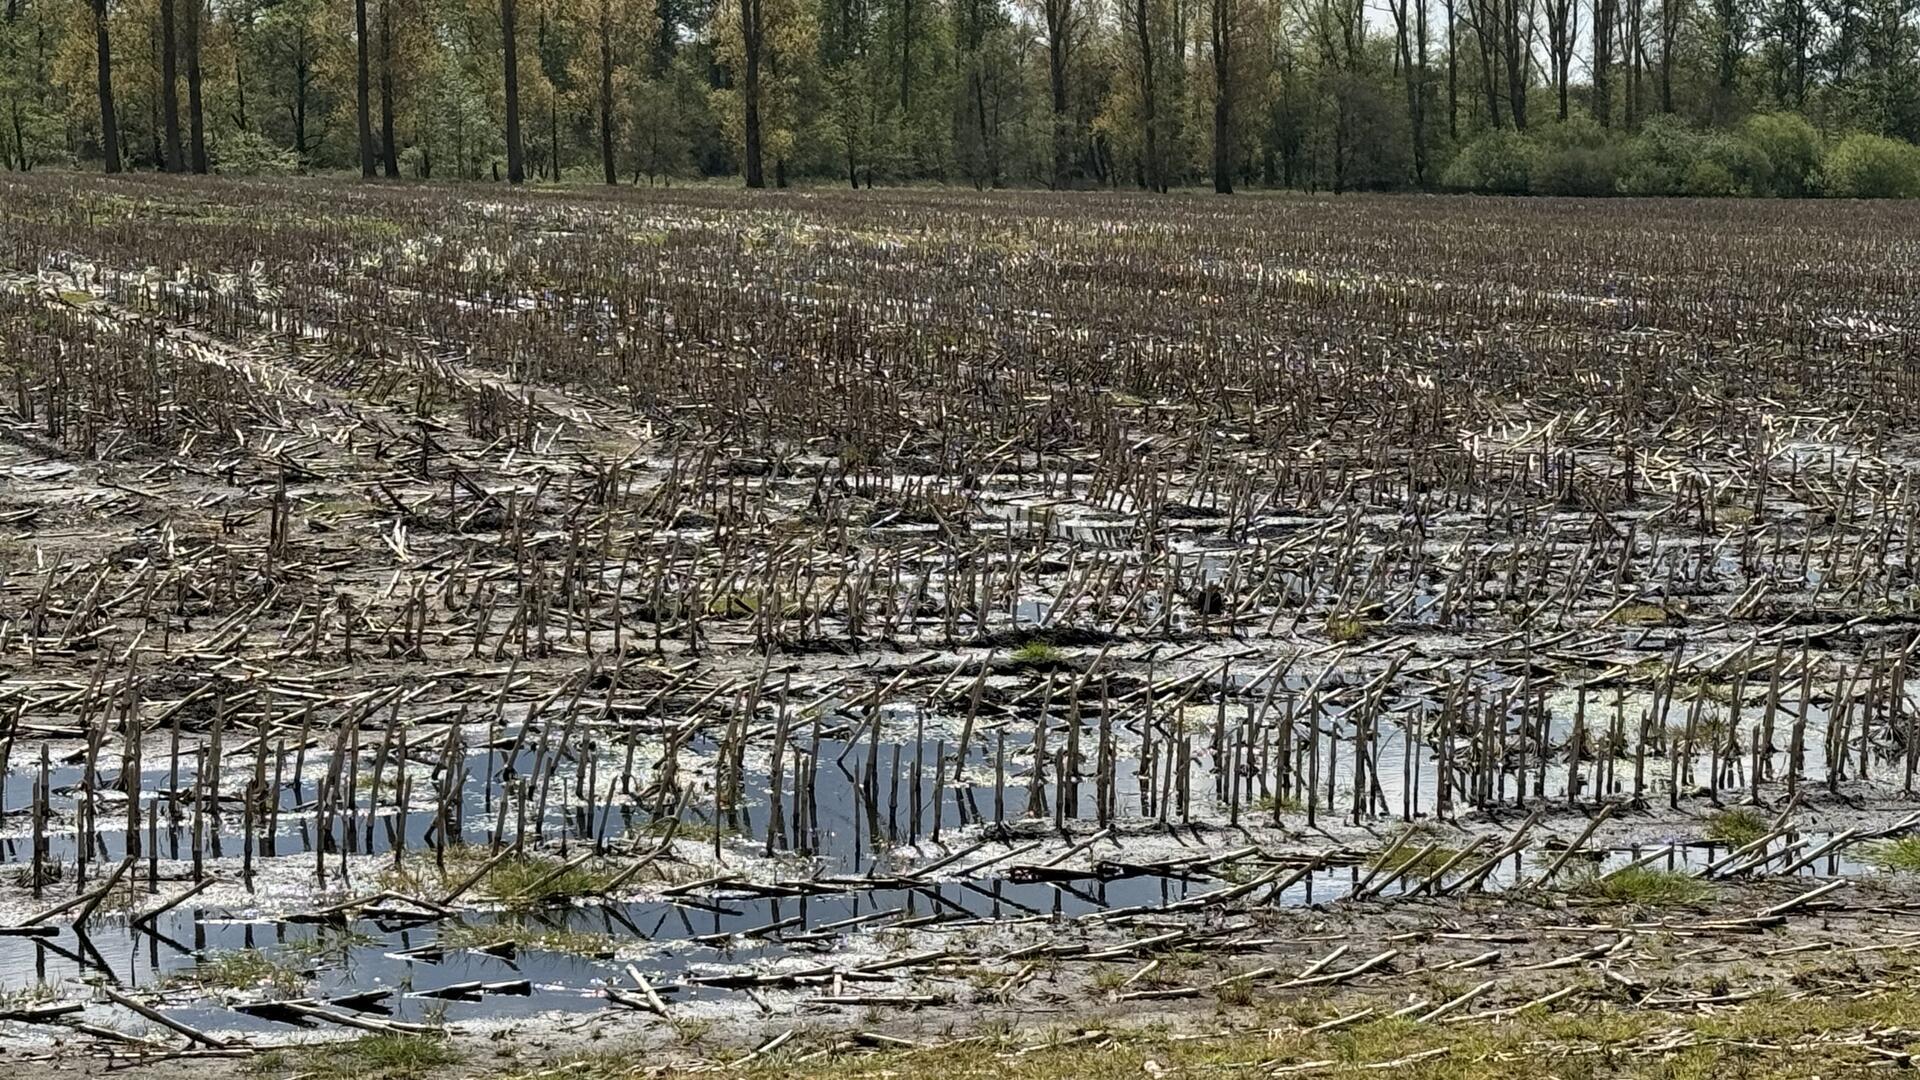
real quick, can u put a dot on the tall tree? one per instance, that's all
(103, 87)
(389, 144)
(1603, 30)
(363, 89)
(170, 89)
(1410, 39)
(516, 163)
(1670, 13)
(1223, 24)
(196, 104)
(1061, 19)
(1453, 71)
(1563, 27)
(1141, 28)
(1730, 41)
(1633, 49)
(753, 42)
(607, 164)
(1516, 26)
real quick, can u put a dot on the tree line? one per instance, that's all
(1584, 96)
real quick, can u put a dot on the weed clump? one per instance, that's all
(375, 1057)
(1037, 654)
(1737, 825)
(493, 935)
(1896, 856)
(1346, 629)
(1649, 888)
(247, 969)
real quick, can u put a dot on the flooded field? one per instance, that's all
(834, 619)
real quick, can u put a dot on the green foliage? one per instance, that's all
(951, 93)
(658, 144)
(491, 935)
(1663, 159)
(1737, 825)
(1343, 629)
(1652, 888)
(1791, 145)
(1900, 856)
(249, 153)
(1497, 163)
(1730, 164)
(248, 969)
(1578, 157)
(375, 1057)
(1037, 654)
(1872, 167)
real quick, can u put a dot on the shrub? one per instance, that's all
(1496, 163)
(1731, 165)
(1872, 167)
(1578, 157)
(1791, 146)
(249, 153)
(1661, 157)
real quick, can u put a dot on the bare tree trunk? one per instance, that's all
(1453, 73)
(170, 89)
(1223, 26)
(362, 90)
(753, 35)
(1635, 53)
(906, 56)
(1407, 26)
(389, 146)
(1603, 18)
(1669, 31)
(1059, 15)
(516, 162)
(1563, 28)
(103, 85)
(1486, 15)
(196, 111)
(1150, 121)
(1517, 41)
(606, 93)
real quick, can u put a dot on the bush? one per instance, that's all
(1496, 163)
(1578, 157)
(1872, 167)
(1731, 165)
(1661, 158)
(249, 153)
(1791, 146)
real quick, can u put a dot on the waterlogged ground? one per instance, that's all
(770, 629)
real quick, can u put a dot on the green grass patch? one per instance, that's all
(278, 974)
(375, 1057)
(1413, 856)
(1345, 629)
(519, 880)
(1652, 888)
(1737, 825)
(1896, 856)
(1037, 654)
(488, 935)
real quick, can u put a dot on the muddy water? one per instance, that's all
(846, 829)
